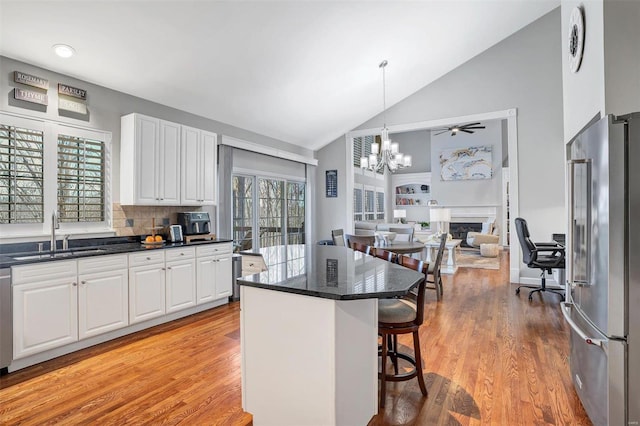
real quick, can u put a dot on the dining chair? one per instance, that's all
(384, 254)
(368, 240)
(401, 316)
(360, 247)
(434, 274)
(338, 237)
(404, 234)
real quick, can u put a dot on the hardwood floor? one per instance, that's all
(490, 357)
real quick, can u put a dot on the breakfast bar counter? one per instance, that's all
(309, 335)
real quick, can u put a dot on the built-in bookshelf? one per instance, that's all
(412, 189)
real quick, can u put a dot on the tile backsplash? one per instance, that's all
(137, 220)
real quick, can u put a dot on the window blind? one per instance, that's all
(81, 179)
(21, 175)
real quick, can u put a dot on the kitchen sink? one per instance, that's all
(59, 254)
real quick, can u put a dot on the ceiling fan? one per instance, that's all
(467, 128)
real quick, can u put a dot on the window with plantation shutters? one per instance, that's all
(369, 204)
(21, 175)
(362, 148)
(379, 204)
(357, 151)
(357, 204)
(81, 179)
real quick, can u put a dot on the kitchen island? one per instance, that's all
(309, 335)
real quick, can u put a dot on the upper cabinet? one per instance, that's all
(165, 163)
(198, 165)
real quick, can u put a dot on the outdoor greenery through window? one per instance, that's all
(81, 179)
(21, 175)
(275, 213)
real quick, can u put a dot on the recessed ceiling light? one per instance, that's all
(64, 50)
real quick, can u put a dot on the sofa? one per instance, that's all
(370, 228)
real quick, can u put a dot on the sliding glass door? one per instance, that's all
(267, 212)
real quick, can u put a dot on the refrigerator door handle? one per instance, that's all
(572, 192)
(566, 312)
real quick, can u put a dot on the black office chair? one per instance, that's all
(545, 256)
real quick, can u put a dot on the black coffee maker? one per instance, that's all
(194, 223)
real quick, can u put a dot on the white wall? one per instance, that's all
(482, 192)
(523, 71)
(608, 81)
(106, 106)
(332, 213)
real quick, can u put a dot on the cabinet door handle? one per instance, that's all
(168, 267)
(181, 254)
(83, 282)
(148, 258)
(74, 284)
(164, 269)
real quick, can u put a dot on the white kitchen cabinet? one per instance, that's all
(146, 285)
(103, 294)
(45, 300)
(197, 167)
(180, 278)
(214, 272)
(224, 276)
(149, 161)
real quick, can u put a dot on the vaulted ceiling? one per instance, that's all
(304, 72)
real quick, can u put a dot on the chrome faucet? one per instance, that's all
(54, 225)
(65, 242)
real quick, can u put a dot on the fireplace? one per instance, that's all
(459, 230)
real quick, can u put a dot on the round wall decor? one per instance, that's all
(576, 38)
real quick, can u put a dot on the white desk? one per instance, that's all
(432, 251)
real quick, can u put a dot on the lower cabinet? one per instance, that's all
(57, 303)
(61, 302)
(103, 295)
(214, 272)
(224, 276)
(181, 279)
(45, 315)
(146, 286)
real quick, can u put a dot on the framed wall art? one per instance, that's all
(331, 183)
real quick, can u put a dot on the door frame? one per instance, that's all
(510, 115)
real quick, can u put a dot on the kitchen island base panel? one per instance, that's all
(308, 360)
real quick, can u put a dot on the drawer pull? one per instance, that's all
(74, 284)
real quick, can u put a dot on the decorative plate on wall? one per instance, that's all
(576, 38)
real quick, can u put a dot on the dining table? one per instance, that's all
(309, 334)
(403, 247)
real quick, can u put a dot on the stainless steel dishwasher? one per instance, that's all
(6, 321)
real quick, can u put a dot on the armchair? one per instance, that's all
(487, 235)
(544, 256)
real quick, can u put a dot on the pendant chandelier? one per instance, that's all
(389, 153)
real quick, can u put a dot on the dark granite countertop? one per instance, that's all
(331, 272)
(27, 253)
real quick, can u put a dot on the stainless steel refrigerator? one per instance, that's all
(603, 268)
